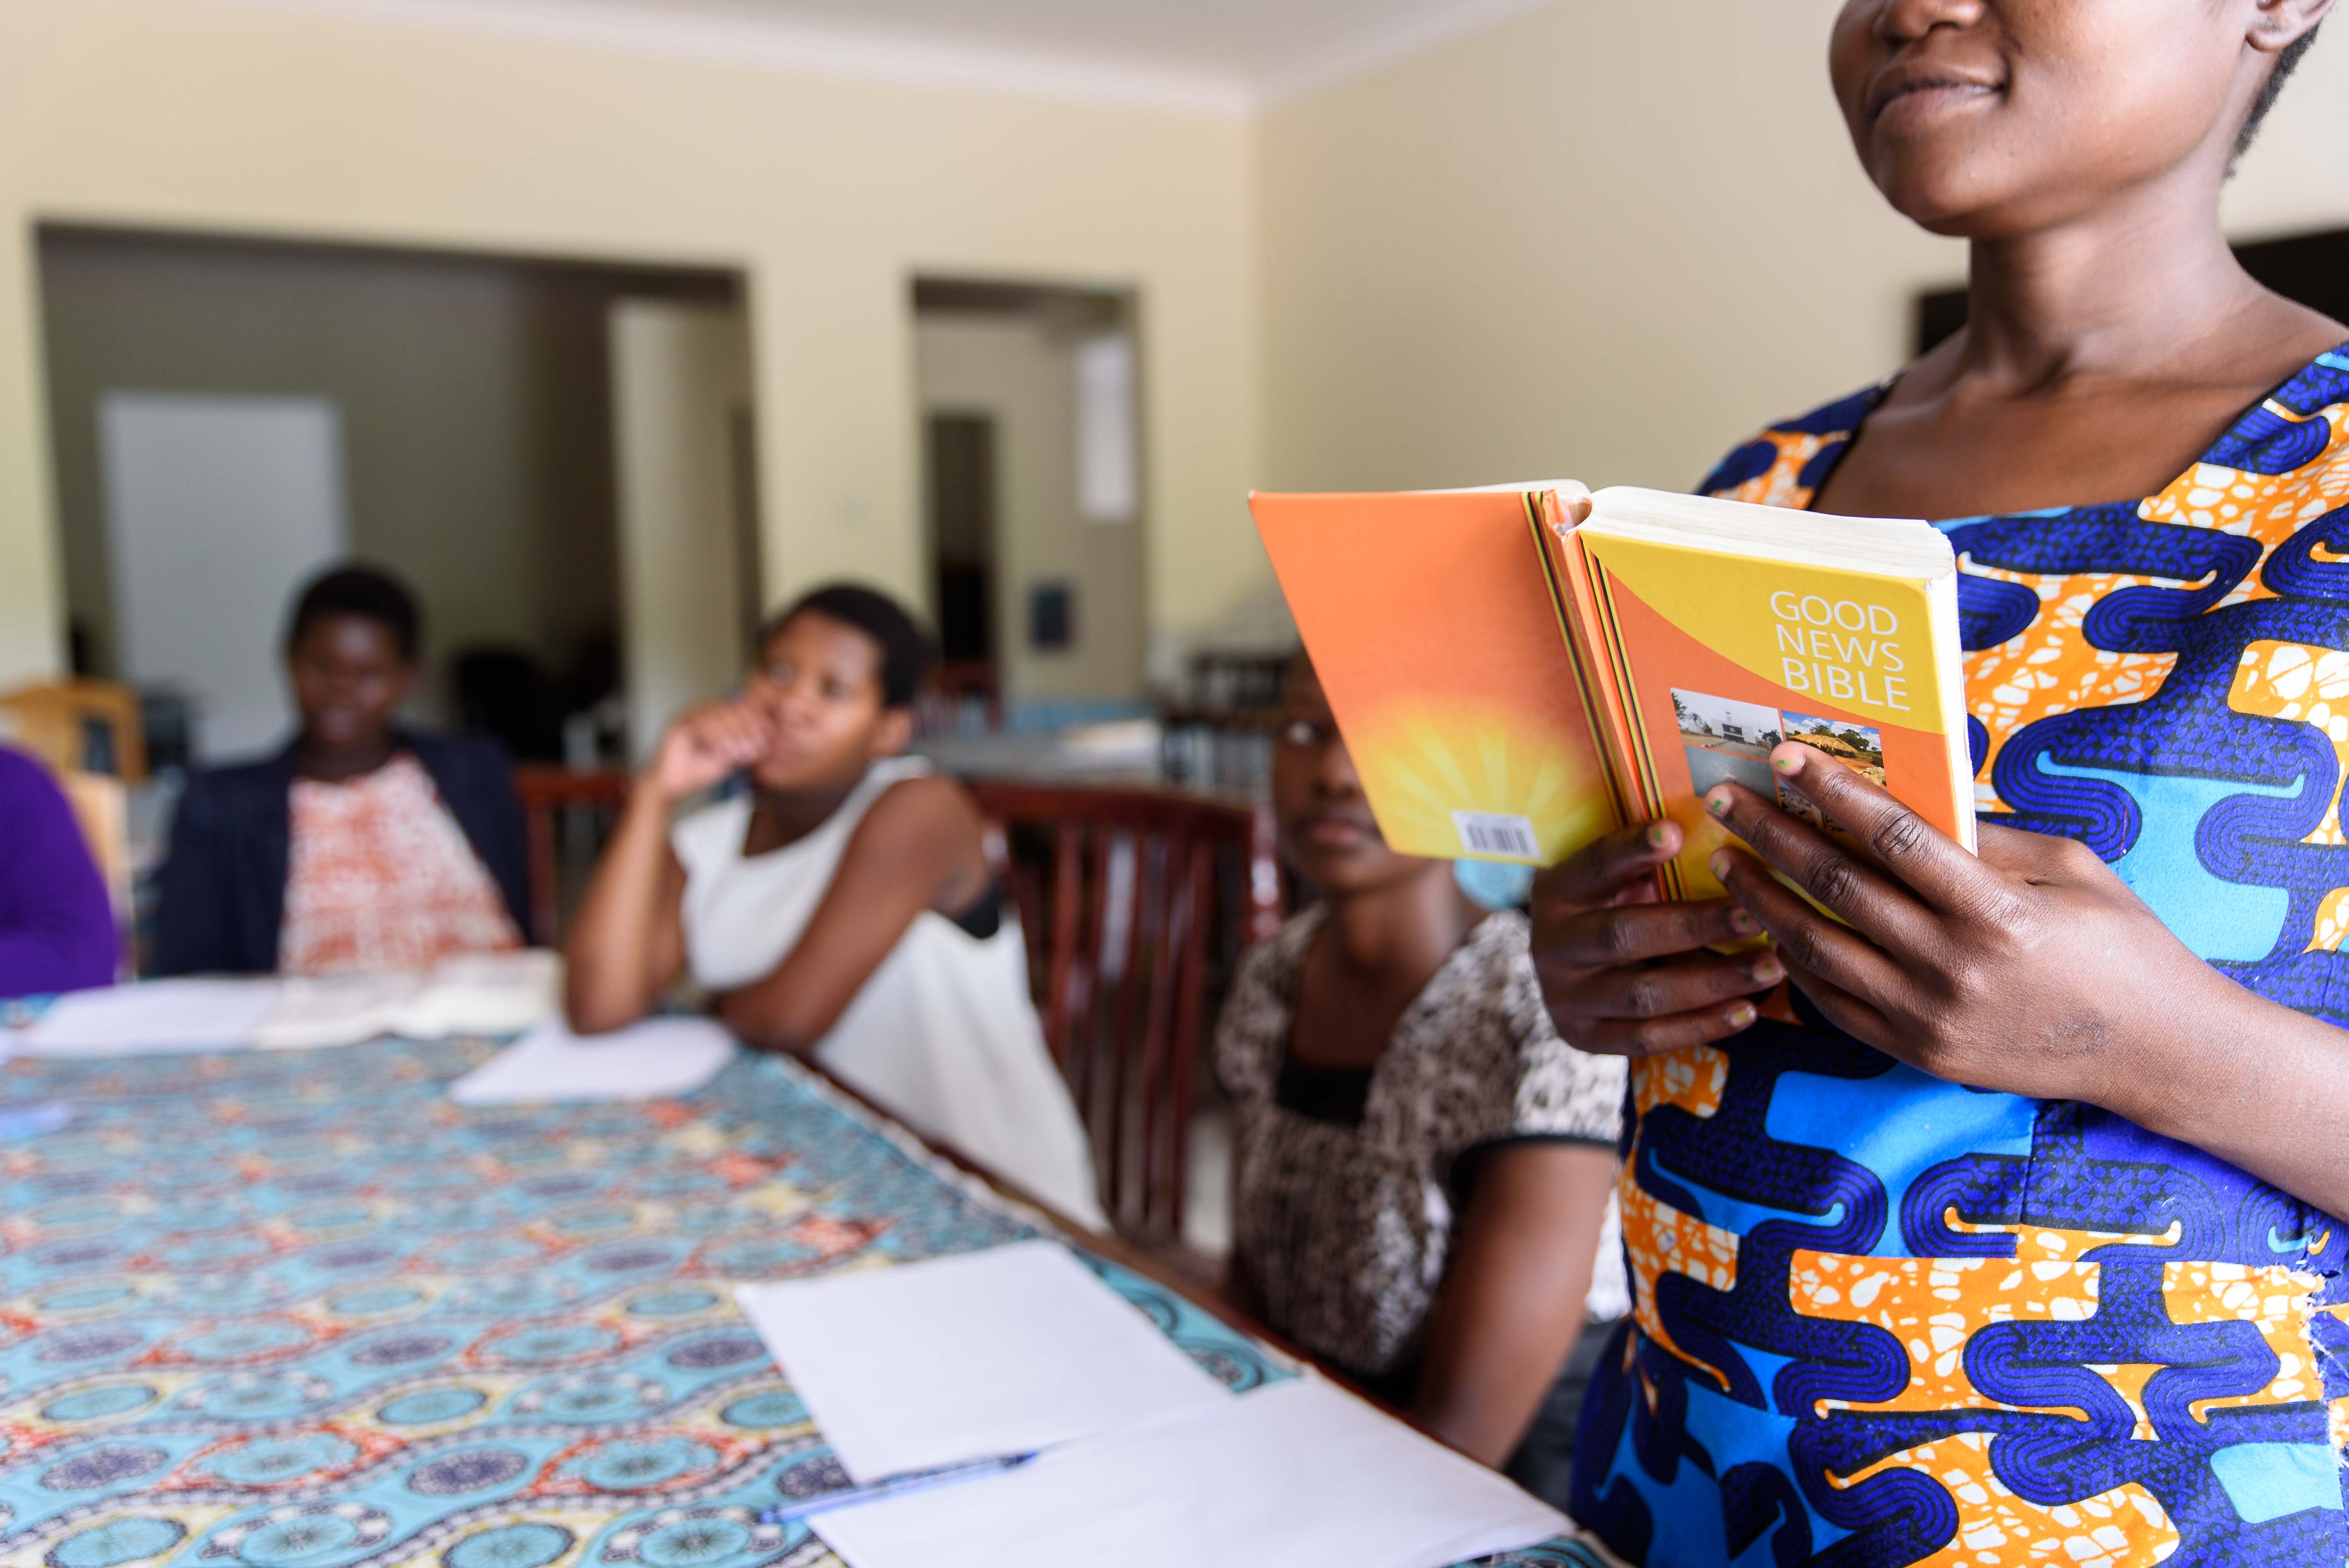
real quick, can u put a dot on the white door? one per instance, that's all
(680, 395)
(217, 508)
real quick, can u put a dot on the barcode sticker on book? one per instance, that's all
(1496, 833)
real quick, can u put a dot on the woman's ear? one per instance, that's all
(2277, 25)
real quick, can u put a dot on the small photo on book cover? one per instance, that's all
(1727, 740)
(1857, 747)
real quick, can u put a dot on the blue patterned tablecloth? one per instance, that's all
(297, 1310)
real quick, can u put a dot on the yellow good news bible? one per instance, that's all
(1513, 686)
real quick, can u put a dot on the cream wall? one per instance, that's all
(1019, 370)
(830, 193)
(1610, 241)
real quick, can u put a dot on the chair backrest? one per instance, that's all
(78, 726)
(557, 803)
(1133, 901)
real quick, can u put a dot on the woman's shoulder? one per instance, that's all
(30, 796)
(1273, 963)
(1786, 464)
(912, 806)
(462, 754)
(233, 788)
(1550, 1086)
(21, 772)
(908, 787)
(1253, 1028)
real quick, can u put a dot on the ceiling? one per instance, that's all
(1262, 40)
(1239, 51)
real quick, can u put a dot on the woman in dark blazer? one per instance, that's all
(361, 846)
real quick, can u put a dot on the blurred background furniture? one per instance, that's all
(101, 805)
(1137, 905)
(964, 698)
(1237, 685)
(1218, 736)
(78, 726)
(568, 813)
(506, 692)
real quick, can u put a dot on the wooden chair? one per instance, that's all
(78, 726)
(549, 797)
(1133, 901)
(101, 808)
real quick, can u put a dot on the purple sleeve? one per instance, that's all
(57, 923)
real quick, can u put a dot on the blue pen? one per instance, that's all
(892, 1486)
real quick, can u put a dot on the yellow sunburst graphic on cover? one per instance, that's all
(1420, 767)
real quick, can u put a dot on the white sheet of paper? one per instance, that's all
(1296, 1475)
(998, 1352)
(655, 1059)
(151, 1017)
(335, 1010)
(487, 993)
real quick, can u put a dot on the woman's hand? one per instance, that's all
(706, 743)
(2031, 968)
(1625, 975)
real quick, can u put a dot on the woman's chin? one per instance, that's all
(1962, 205)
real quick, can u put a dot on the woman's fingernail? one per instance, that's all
(1743, 924)
(1718, 802)
(1741, 1016)
(1721, 864)
(1787, 761)
(1769, 972)
(1659, 835)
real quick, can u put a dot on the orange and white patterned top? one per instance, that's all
(381, 878)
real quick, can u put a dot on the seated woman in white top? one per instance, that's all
(842, 908)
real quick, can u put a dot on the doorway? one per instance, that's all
(1032, 511)
(959, 459)
(259, 408)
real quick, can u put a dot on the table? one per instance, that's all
(297, 1310)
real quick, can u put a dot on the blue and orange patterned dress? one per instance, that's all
(1881, 1319)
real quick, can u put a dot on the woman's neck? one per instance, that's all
(780, 818)
(328, 764)
(2140, 290)
(1407, 928)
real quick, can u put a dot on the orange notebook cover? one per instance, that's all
(1635, 661)
(1437, 639)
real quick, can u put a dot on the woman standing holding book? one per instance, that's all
(2007, 1236)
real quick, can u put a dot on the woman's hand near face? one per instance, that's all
(627, 941)
(705, 744)
(1626, 974)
